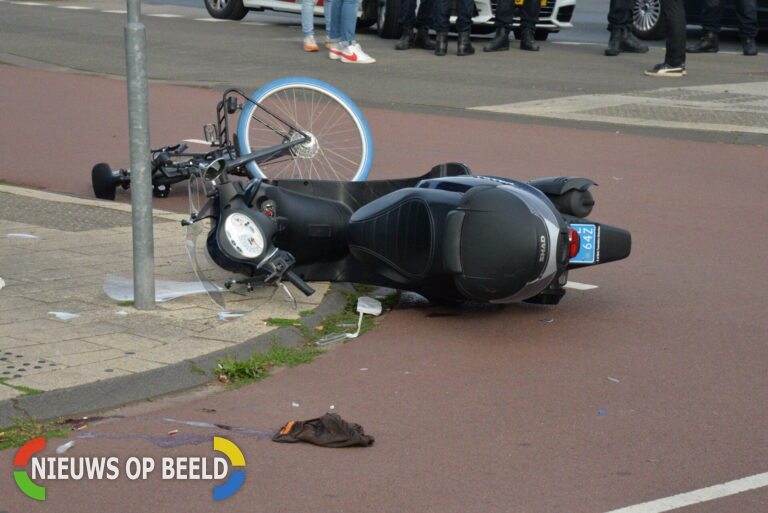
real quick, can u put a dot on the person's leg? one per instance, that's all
(327, 6)
(440, 13)
(423, 22)
(529, 16)
(308, 17)
(619, 14)
(711, 14)
(463, 26)
(674, 12)
(406, 18)
(505, 10)
(347, 20)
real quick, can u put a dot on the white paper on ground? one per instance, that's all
(121, 289)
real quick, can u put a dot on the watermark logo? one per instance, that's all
(235, 480)
(22, 478)
(134, 468)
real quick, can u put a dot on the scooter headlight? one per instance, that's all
(244, 235)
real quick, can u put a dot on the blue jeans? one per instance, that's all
(308, 16)
(343, 21)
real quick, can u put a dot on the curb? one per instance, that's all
(177, 377)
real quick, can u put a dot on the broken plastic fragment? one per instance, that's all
(65, 447)
(64, 315)
(173, 431)
(547, 320)
(121, 312)
(228, 316)
(2, 283)
(614, 380)
(121, 289)
(22, 236)
(295, 405)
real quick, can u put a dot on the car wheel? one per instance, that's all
(369, 15)
(647, 20)
(388, 27)
(226, 9)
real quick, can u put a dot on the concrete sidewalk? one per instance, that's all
(56, 252)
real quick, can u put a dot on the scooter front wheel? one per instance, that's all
(340, 145)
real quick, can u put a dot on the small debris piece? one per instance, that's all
(65, 316)
(80, 428)
(22, 236)
(601, 412)
(121, 312)
(614, 380)
(364, 368)
(65, 447)
(547, 320)
(227, 316)
(173, 431)
(208, 410)
(319, 328)
(224, 379)
(333, 407)
(297, 324)
(2, 283)
(295, 405)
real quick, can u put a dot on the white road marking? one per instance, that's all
(75, 7)
(579, 286)
(116, 12)
(209, 19)
(696, 496)
(160, 15)
(255, 23)
(28, 3)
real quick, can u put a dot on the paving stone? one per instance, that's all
(123, 342)
(182, 350)
(69, 377)
(132, 364)
(8, 392)
(100, 355)
(53, 349)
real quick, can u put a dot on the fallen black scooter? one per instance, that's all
(448, 235)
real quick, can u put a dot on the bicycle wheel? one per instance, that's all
(340, 145)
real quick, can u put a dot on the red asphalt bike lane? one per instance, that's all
(473, 409)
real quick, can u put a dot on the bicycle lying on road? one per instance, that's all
(298, 128)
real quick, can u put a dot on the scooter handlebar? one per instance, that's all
(300, 284)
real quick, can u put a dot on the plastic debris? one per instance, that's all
(332, 407)
(614, 380)
(547, 320)
(229, 316)
(295, 405)
(2, 283)
(22, 236)
(364, 368)
(601, 412)
(365, 305)
(121, 289)
(346, 325)
(65, 447)
(64, 316)
(579, 286)
(121, 312)
(173, 431)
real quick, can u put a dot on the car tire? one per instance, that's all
(369, 16)
(647, 19)
(226, 9)
(387, 25)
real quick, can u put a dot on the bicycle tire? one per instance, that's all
(341, 146)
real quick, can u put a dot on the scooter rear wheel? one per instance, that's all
(340, 145)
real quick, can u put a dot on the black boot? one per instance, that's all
(406, 40)
(709, 43)
(441, 43)
(749, 46)
(527, 41)
(614, 43)
(422, 39)
(499, 42)
(630, 43)
(465, 44)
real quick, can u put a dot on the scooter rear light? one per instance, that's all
(574, 244)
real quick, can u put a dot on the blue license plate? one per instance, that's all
(589, 239)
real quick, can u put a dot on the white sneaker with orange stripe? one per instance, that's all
(353, 54)
(309, 44)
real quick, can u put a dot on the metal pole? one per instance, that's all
(141, 178)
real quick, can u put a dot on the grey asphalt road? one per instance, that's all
(185, 50)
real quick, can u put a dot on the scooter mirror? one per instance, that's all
(368, 305)
(214, 169)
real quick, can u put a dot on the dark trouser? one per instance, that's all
(442, 12)
(674, 12)
(410, 18)
(619, 14)
(746, 13)
(529, 13)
